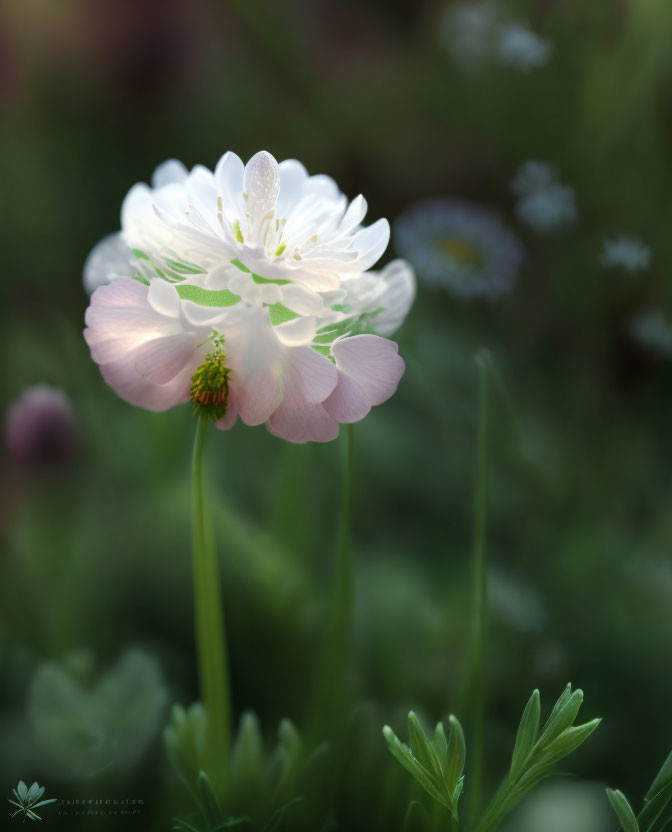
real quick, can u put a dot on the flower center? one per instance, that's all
(461, 251)
(210, 383)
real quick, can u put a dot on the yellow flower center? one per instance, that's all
(460, 250)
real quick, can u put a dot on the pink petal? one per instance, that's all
(348, 402)
(296, 420)
(373, 362)
(313, 374)
(161, 359)
(126, 382)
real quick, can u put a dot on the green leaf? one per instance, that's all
(280, 314)
(440, 745)
(650, 816)
(527, 734)
(207, 798)
(663, 777)
(207, 297)
(408, 761)
(626, 817)
(421, 747)
(457, 752)
(562, 716)
(569, 741)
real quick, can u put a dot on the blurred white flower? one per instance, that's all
(653, 331)
(544, 204)
(469, 30)
(630, 253)
(520, 48)
(461, 247)
(477, 31)
(247, 290)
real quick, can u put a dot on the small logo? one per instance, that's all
(28, 799)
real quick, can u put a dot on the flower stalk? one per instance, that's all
(209, 622)
(332, 674)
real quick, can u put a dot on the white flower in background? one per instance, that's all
(246, 290)
(461, 247)
(478, 31)
(469, 29)
(520, 48)
(653, 331)
(630, 253)
(544, 203)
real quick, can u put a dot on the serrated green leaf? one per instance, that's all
(527, 734)
(626, 817)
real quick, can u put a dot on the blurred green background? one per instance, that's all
(96, 550)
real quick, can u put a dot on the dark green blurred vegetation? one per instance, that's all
(96, 553)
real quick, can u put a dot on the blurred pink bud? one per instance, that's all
(39, 426)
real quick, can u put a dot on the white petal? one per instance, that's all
(163, 298)
(371, 242)
(229, 184)
(302, 300)
(270, 293)
(297, 332)
(261, 183)
(109, 259)
(169, 172)
(354, 215)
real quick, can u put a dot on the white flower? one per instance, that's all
(464, 248)
(630, 253)
(545, 205)
(477, 31)
(520, 48)
(653, 330)
(246, 290)
(469, 29)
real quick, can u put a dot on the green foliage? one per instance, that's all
(438, 765)
(656, 813)
(258, 790)
(535, 753)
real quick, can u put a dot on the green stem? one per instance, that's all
(210, 633)
(477, 683)
(333, 668)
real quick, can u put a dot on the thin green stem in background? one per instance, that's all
(480, 603)
(210, 634)
(334, 661)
